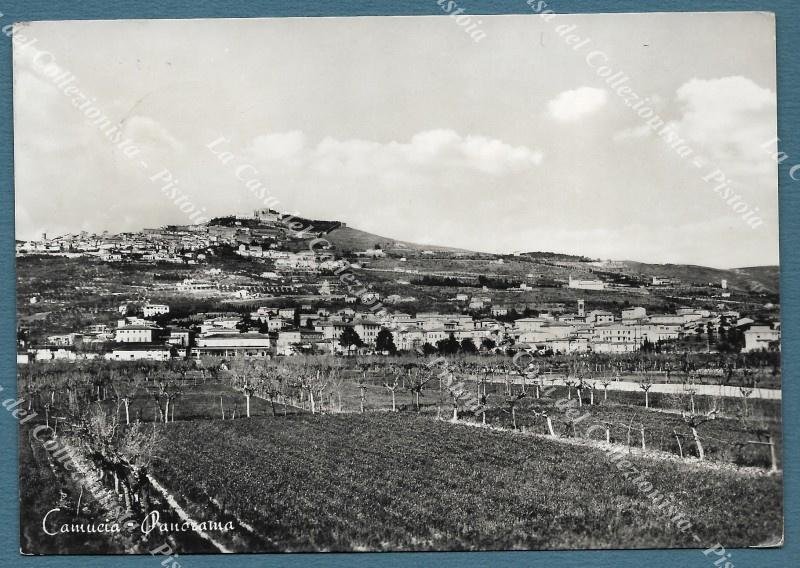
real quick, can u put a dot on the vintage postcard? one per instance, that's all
(442, 283)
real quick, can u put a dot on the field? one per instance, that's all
(384, 481)
(324, 464)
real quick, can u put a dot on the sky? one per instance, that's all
(409, 128)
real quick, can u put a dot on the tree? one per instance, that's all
(456, 394)
(246, 324)
(310, 383)
(428, 349)
(392, 388)
(124, 451)
(350, 338)
(416, 382)
(468, 346)
(448, 346)
(488, 344)
(605, 382)
(646, 385)
(124, 391)
(385, 342)
(569, 382)
(694, 421)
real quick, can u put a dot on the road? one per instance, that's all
(671, 388)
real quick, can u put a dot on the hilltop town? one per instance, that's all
(269, 284)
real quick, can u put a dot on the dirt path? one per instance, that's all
(667, 388)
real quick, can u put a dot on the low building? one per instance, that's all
(760, 337)
(667, 319)
(599, 317)
(136, 334)
(408, 339)
(614, 346)
(154, 310)
(179, 337)
(139, 352)
(529, 324)
(64, 340)
(618, 333)
(222, 323)
(57, 354)
(636, 313)
(196, 286)
(233, 345)
(287, 313)
(659, 332)
(658, 281)
(586, 284)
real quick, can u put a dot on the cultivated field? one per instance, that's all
(385, 481)
(312, 454)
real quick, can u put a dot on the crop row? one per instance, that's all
(401, 482)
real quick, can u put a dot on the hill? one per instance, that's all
(347, 238)
(758, 279)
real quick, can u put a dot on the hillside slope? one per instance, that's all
(753, 278)
(347, 238)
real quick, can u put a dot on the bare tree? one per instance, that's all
(579, 388)
(312, 384)
(694, 421)
(416, 383)
(569, 384)
(337, 385)
(392, 388)
(646, 385)
(746, 393)
(605, 382)
(124, 391)
(691, 391)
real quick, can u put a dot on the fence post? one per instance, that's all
(643, 445)
(772, 455)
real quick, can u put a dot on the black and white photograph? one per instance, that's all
(456, 282)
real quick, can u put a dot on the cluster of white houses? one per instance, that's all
(271, 331)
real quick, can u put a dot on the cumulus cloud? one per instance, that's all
(572, 105)
(441, 150)
(730, 119)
